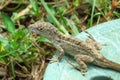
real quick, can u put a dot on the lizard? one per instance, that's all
(82, 51)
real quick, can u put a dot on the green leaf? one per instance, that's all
(115, 13)
(43, 39)
(2, 48)
(4, 41)
(9, 25)
(35, 6)
(76, 3)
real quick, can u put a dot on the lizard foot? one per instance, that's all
(57, 59)
(54, 59)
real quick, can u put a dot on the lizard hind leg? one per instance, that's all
(81, 60)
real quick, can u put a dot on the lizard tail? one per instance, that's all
(105, 63)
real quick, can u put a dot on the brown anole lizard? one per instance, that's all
(83, 52)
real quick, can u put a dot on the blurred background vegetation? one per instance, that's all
(24, 55)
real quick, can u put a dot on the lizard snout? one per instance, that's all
(33, 29)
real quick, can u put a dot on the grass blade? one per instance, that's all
(9, 25)
(53, 17)
(92, 14)
(35, 6)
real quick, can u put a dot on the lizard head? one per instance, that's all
(39, 27)
(36, 27)
(43, 28)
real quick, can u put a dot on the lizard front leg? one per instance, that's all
(93, 43)
(60, 49)
(90, 40)
(82, 59)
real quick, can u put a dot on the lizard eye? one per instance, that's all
(40, 29)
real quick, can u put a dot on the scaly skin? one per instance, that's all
(83, 52)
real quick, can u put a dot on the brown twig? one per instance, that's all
(23, 12)
(5, 4)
